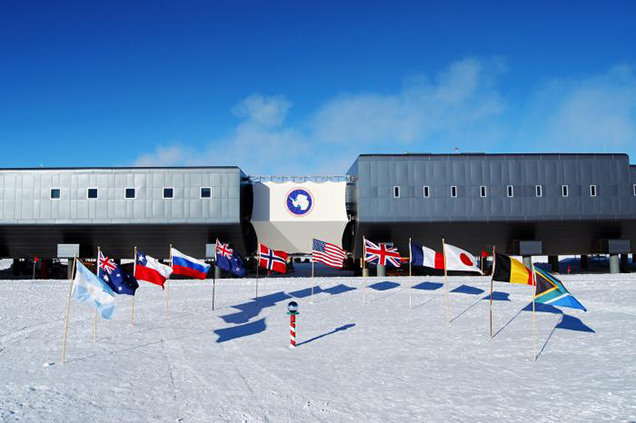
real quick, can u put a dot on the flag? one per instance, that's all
(423, 256)
(551, 291)
(118, 280)
(381, 254)
(188, 266)
(150, 270)
(458, 259)
(329, 254)
(91, 290)
(272, 259)
(511, 270)
(223, 256)
(238, 264)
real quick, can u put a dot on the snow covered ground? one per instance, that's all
(379, 361)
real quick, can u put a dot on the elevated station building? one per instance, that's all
(522, 204)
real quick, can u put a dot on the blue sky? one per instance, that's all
(303, 87)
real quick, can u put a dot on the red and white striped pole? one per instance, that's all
(292, 310)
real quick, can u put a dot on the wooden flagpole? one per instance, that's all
(95, 316)
(258, 264)
(312, 274)
(168, 287)
(364, 264)
(132, 303)
(446, 294)
(492, 275)
(68, 310)
(216, 245)
(410, 276)
(534, 327)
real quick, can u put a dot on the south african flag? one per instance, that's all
(551, 291)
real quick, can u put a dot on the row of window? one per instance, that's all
(129, 193)
(510, 191)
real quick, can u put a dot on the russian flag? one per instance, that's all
(188, 266)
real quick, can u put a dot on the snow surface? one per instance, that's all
(379, 361)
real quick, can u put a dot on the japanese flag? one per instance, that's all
(458, 259)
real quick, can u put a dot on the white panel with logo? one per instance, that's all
(288, 215)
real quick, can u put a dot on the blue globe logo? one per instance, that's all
(299, 201)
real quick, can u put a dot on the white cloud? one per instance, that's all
(461, 106)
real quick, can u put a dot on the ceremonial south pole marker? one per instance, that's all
(292, 311)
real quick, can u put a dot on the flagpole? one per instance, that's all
(364, 263)
(216, 245)
(312, 275)
(410, 276)
(68, 310)
(168, 286)
(534, 327)
(95, 316)
(446, 294)
(132, 304)
(492, 278)
(258, 264)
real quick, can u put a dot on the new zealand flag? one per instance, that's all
(238, 264)
(118, 280)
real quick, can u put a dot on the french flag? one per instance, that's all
(423, 256)
(188, 266)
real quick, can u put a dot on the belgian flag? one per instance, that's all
(510, 270)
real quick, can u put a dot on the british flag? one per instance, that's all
(105, 263)
(381, 254)
(223, 250)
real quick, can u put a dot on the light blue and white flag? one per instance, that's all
(91, 290)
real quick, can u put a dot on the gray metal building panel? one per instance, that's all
(376, 175)
(25, 196)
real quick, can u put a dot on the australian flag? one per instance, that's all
(118, 280)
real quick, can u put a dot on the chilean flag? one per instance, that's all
(188, 266)
(272, 259)
(150, 270)
(423, 256)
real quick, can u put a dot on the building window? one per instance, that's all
(453, 191)
(168, 192)
(426, 191)
(634, 189)
(129, 193)
(592, 190)
(564, 190)
(482, 191)
(538, 190)
(206, 192)
(91, 193)
(510, 191)
(56, 193)
(396, 192)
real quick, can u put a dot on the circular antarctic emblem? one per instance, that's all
(299, 202)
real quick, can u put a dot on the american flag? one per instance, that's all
(329, 254)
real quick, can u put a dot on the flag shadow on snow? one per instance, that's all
(334, 290)
(497, 296)
(466, 289)
(254, 307)
(567, 322)
(428, 286)
(240, 331)
(384, 286)
(339, 329)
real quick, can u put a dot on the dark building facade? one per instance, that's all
(569, 203)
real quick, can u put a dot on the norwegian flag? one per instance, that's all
(381, 254)
(272, 259)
